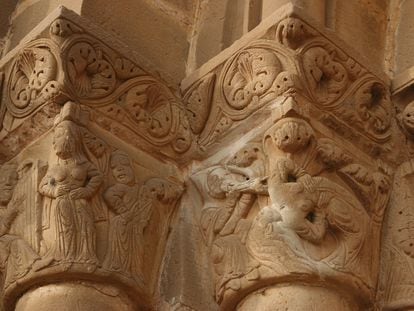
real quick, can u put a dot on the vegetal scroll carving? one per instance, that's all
(327, 77)
(253, 77)
(89, 72)
(33, 79)
(198, 103)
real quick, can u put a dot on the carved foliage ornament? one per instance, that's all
(255, 76)
(121, 91)
(302, 63)
(34, 78)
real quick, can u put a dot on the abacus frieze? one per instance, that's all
(294, 60)
(148, 110)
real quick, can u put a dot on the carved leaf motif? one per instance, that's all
(249, 77)
(331, 155)
(96, 145)
(183, 138)
(374, 107)
(125, 69)
(198, 103)
(327, 77)
(360, 179)
(161, 112)
(31, 82)
(90, 74)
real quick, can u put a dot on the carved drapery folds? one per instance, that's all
(303, 201)
(301, 209)
(299, 199)
(85, 212)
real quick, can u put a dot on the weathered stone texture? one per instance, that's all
(206, 155)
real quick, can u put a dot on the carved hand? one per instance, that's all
(80, 193)
(61, 190)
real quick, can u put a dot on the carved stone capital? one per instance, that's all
(299, 199)
(87, 205)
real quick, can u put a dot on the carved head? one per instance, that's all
(219, 180)
(67, 140)
(290, 134)
(162, 190)
(122, 168)
(246, 156)
(407, 118)
(8, 180)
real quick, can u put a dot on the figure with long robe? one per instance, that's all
(132, 213)
(71, 184)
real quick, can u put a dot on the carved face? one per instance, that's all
(408, 118)
(291, 135)
(64, 140)
(8, 180)
(121, 169)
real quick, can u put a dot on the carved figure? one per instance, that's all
(407, 118)
(126, 234)
(16, 256)
(225, 226)
(328, 222)
(71, 183)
